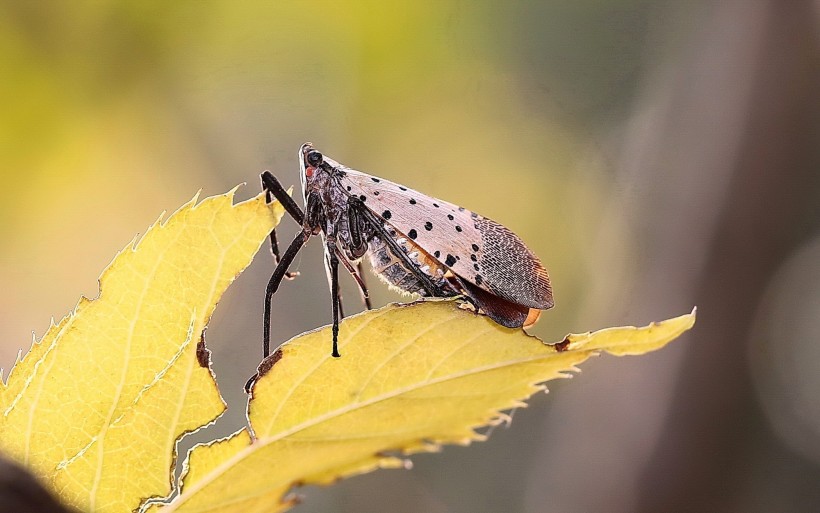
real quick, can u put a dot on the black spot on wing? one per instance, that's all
(475, 247)
(412, 201)
(386, 214)
(412, 234)
(450, 261)
(428, 226)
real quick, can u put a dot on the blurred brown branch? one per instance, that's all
(768, 54)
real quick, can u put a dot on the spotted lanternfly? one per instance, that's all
(415, 243)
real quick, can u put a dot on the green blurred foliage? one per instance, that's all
(113, 112)
(116, 111)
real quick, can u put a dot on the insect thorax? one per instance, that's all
(396, 273)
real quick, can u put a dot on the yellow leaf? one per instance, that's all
(95, 408)
(411, 378)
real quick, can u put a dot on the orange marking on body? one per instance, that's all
(532, 317)
(425, 258)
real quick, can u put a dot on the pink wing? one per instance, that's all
(475, 248)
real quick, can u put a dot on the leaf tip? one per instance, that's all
(232, 192)
(159, 219)
(135, 241)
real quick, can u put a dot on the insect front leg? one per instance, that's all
(273, 285)
(271, 186)
(274, 189)
(334, 293)
(276, 279)
(330, 281)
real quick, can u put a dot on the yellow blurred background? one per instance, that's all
(654, 154)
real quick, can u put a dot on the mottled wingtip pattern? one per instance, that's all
(511, 270)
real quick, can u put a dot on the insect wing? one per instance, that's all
(477, 249)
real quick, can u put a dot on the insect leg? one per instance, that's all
(275, 279)
(334, 294)
(330, 279)
(272, 186)
(272, 189)
(363, 287)
(358, 241)
(357, 276)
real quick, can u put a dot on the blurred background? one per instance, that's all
(655, 154)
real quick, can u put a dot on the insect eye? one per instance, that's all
(314, 158)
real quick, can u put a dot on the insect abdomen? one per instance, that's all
(395, 272)
(392, 270)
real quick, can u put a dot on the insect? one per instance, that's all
(416, 243)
